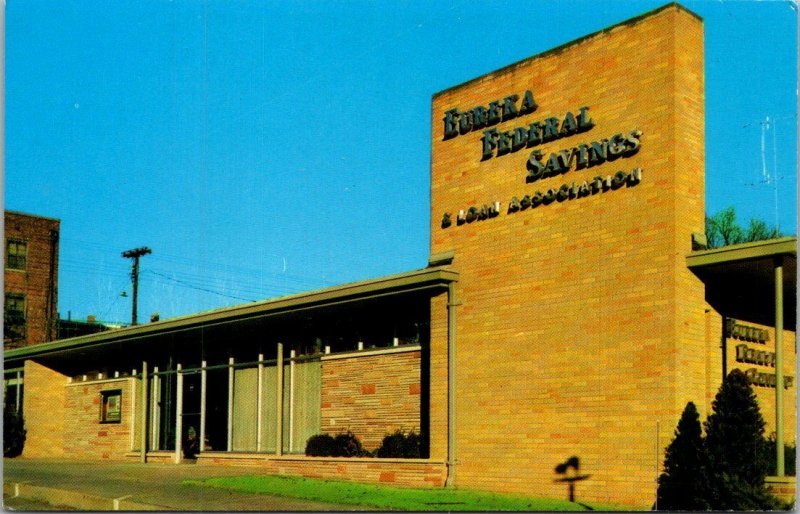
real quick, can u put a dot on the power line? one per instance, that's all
(211, 281)
(191, 286)
(227, 267)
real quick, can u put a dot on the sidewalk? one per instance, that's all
(134, 486)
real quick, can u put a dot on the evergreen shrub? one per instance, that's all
(348, 445)
(400, 445)
(13, 433)
(682, 485)
(345, 444)
(736, 448)
(726, 470)
(320, 445)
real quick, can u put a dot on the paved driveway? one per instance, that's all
(155, 484)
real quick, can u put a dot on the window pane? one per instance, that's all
(15, 304)
(16, 254)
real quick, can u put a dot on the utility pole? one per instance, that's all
(135, 254)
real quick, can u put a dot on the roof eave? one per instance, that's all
(403, 282)
(742, 252)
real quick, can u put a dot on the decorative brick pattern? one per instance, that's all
(400, 472)
(581, 327)
(85, 436)
(371, 395)
(785, 488)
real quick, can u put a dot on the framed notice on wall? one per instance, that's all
(111, 406)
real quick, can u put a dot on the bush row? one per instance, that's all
(396, 445)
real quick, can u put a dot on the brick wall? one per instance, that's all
(580, 326)
(713, 361)
(85, 436)
(405, 472)
(766, 395)
(39, 280)
(371, 395)
(43, 407)
(785, 488)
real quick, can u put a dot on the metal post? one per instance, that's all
(279, 401)
(259, 395)
(154, 414)
(179, 415)
(779, 365)
(203, 406)
(132, 389)
(230, 404)
(451, 385)
(292, 355)
(143, 421)
(19, 389)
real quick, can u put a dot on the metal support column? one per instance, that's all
(230, 404)
(154, 414)
(132, 435)
(203, 386)
(292, 355)
(279, 401)
(178, 415)
(451, 385)
(143, 414)
(259, 395)
(19, 390)
(779, 365)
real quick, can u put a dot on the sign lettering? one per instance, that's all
(745, 332)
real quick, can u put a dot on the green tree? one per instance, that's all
(735, 445)
(682, 485)
(760, 231)
(722, 229)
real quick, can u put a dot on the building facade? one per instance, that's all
(31, 279)
(568, 308)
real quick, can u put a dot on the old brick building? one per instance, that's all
(31, 279)
(567, 308)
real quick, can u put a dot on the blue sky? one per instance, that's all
(266, 148)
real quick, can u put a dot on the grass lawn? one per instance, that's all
(384, 497)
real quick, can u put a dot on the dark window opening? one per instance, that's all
(16, 254)
(14, 318)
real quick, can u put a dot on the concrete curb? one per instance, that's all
(74, 499)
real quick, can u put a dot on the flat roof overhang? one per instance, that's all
(740, 279)
(428, 279)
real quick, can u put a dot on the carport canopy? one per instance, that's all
(740, 279)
